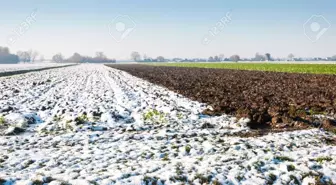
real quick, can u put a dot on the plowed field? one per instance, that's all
(279, 100)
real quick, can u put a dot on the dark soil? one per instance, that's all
(270, 99)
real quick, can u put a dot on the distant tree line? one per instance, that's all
(135, 56)
(77, 58)
(31, 56)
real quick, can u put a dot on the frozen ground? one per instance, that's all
(91, 124)
(20, 67)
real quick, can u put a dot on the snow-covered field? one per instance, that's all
(20, 67)
(90, 124)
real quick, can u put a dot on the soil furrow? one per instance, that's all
(269, 99)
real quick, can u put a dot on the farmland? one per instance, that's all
(270, 99)
(12, 69)
(276, 67)
(137, 124)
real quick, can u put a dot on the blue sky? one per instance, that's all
(172, 28)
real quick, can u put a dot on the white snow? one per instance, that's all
(90, 124)
(27, 66)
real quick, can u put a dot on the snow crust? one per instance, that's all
(23, 66)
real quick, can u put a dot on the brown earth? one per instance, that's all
(270, 99)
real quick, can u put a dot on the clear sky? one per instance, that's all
(171, 28)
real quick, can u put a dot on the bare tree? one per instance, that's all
(291, 56)
(160, 59)
(268, 56)
(145, 57)
(4, 51)
(33, 55)
(58, 58)
(259, 57)
(101, 55)
(24, 56)
(235, 58)
(76, 58)
(135, 56)
(333, 58)
(221, 57)
(27, 56)
(211, 59)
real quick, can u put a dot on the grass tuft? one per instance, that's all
(203, 179)
(322, 159)
(271, 178)
(2, 120)
(81, 119)
(283, 158)
(290, 167)
(188, 148)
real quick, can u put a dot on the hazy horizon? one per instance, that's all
(170, 29)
